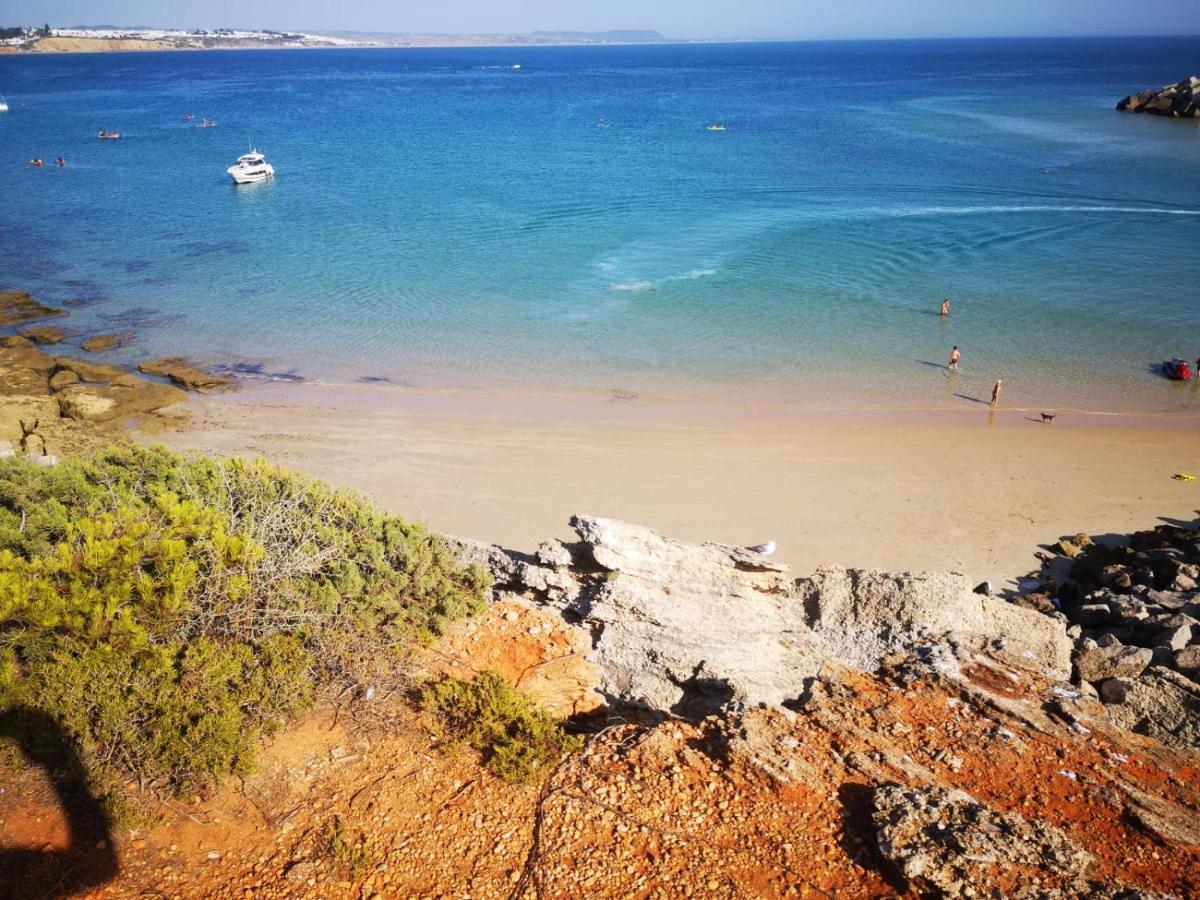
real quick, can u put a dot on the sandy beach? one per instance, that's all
(974, 492)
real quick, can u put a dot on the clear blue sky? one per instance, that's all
(772, 19)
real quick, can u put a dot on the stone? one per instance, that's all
(1187, 660)
(63, 378)
(1176, 636)
(1037, 601)
(948, 844)
(18, 307)
(6, 449)
(94, 403)
(1095, 662)
(184, 374)
(1115, 690)
(1163, 705)
(101, 342)
(867, 615)
(94, 373)
(43, 334)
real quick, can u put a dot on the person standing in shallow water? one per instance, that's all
(996, 392)
(945, 307)
(955, 356)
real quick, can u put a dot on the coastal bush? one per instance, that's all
(168, 611)
(515, 737)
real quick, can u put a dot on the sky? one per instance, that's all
(699, 19)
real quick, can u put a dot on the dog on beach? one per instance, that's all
(1048, 417)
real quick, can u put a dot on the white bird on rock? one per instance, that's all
(765, 549)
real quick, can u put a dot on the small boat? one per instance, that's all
(206, 123)
(109, 135)
(250, 168)
(1177, 369)
(717, 127)
(3, 104)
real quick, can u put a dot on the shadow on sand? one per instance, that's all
(973, 399)
(89, 860)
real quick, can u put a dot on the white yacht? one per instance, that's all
(250, 168)
(3, 104)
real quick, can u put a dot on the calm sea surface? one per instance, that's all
(442, 216)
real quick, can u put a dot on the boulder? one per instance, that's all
(184, 374)
(94, 373)
(63, 378)
(1187, 660)
(1178, 100)
(692, 628)
(1096, 662)
(44, 334)
(867, 615)
(128, 399)
(17, 307)
(100, 342)
(949, 844)
(1163, 705)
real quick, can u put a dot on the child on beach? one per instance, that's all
(996, 392)
(945, 307)
(954, 358)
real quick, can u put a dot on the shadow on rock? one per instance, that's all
(89, 860)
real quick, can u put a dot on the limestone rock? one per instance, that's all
(867, 615)
(92, 403)
(1163, 705)
(94, 373)
(947, 842)
(43, 334)
(100, 342)
(63, 378)
(691, 628)
(1187, 660)
(1115, 690)
(1095, 662)
(18, 307)
(1180, 100)
(182, 373)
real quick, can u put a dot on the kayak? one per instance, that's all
(1177, 368)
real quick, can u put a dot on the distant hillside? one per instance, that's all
(616, 36)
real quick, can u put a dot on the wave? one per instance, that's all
(900, 212)
(632, 286)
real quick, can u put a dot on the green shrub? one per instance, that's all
(348, 858)
(168, 611)
(515, 737)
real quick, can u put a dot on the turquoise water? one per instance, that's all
(442, 217)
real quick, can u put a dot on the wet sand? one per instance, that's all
(973, 491)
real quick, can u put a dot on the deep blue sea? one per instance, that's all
(444, 217)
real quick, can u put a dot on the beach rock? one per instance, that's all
(867, 615)
(1178, 100)
(1187, 660)
(1163, 705)
(187, 376)
(692, 628)
(12, 340)
(100, 342)
(946, 842)
(18, 307)
(93, 373)
(44, 334)
(1096, 662)
(1089, 615)
(63, 378)
(1066, 548)
(128, 399)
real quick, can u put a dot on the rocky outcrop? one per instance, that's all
(948, 842)
(1134, 609)
(696, 628)
(100, 342)
(44, 334)
(1180, 100)
(184, 374)
(18, 307)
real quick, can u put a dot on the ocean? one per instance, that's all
(563, 217)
